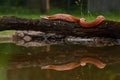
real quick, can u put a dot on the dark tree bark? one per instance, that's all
(105, 29)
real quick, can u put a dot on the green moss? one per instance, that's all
(7, 32)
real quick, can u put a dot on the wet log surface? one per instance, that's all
(37, 38)
(105, 29)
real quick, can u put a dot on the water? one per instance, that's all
(24, 63)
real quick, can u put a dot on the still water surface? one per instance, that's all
(24, 63)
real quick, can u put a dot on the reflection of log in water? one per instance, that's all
(60, 55)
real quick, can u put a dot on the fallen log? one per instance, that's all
(105, 29)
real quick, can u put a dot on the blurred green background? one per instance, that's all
(80, 8)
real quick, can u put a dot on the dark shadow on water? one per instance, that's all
(24, 63)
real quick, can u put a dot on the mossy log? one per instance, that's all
(105, 29)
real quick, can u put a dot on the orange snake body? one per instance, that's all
(82, 21)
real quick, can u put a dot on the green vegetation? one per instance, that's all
(7, 32)
(28, 13)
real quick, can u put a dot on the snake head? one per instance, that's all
(44, 17)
